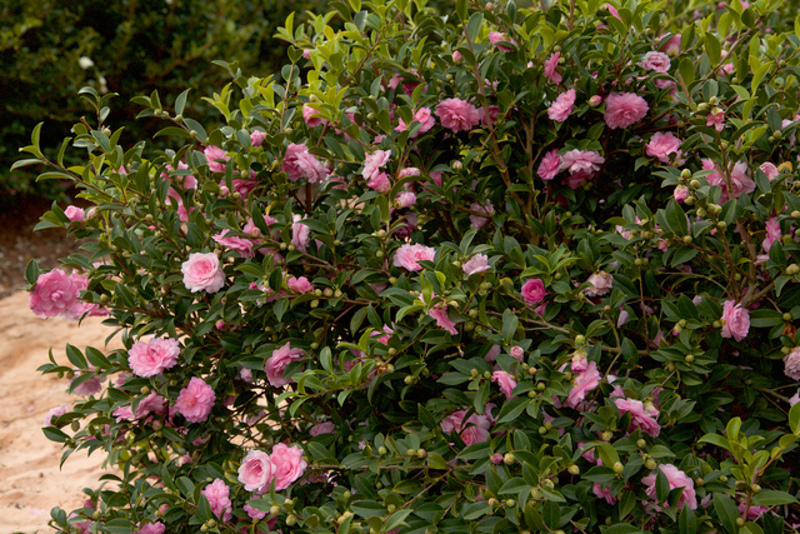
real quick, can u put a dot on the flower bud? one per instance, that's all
(574, 469)
(508, 458)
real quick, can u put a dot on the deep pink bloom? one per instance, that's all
(603, 493)
(791, 364)
(154, 357)
(238, 244)
(550, 65)
(533, 291)
(661, 145)
(641, 417)
(374, 162)
(408, 256)
(151, 528)
(497, 37)
(577, 161)
(517, 353)
(505, 381)
(478, 221)
(380, 182)
(773, 234)
(741, 182)
(424, 116)
(53, 293)
(300, 163)
(476, 264)
(276, 365)
(257, 138)
(75, 214)
(439, 312)
(289, 465)
(677, 479)
(79, 308)
(218, 495)
(770, 170)
(474, 430)
(217, 158)
(457, 115)
(550, 165)
(601, 284)
(202, 272)
(256, 471)
(582, 384)
(560, 110)
(657, 61)
(716, 118)
(311, 116)
(299, 285)
(680, 193)
(195, 401)
(624, 109)
(489, 115)
(736, 320)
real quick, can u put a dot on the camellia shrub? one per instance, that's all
(499, 270)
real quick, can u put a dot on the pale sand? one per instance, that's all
(29, 462)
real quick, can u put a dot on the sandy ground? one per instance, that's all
(29, 462)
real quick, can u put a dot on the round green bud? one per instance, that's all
(411, 452)
(314, 345)
(510, 502)
(509, 459)
(421, 453)
(580, 339)
(574, 470)
(689, 358)
(650, 464)
(640, 443)
(382, 450)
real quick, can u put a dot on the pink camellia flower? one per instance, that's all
(218, 495)
(79, 308)
(154, 357)
(550, 65)
(476, 264)
(497, 37)
(770, 170)
(195, 401)
(736, 320)
(680, 193)
(582, 384)
(289, 465)
(474, 430)
(604, 493)
(277, 363)
(238, 244)
(656, 61)
(256, 471)
(299, 285)
(405, 199)
(457, 115)
(374, 162)
(677, 479)
(624, 109)
(560, 110)
(322, 428)
(794, 399)
(773, 228)
(601, 284)
(311, 116)
(661, 145)
(577, 161)
(741, 182)
(75, 214)
(754, 512)
(55, 413)
(202, 272)
(424, 116)
(716, 118)
(300, 163)
(533, 291)
(549, 166)
(505, 381)
(380, 183)
(301, 234)
(408, 256)
(439, 313)
(517, 352)
(672, 46)
(478, 221)
(640, 416)
(257, 138)
(153, 403)
(595, 100)
(151, 528)
(489, 115)
(54, 293)
(579, 363)
(217, 158)
(791, 364)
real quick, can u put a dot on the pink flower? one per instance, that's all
(439, 312)
(55, 413)
(672, 46)
(154, 357)
(604, 493)
(794, 399)
(405, 199)
(497, 37)
(791, 364)
(301, 234)
(773, 228)
(53, 293)
(87, 387)
(311, 116)
(256, 471)
(474, 430)
(716, 118)
(550, 65)
(680, 193)
(640, 417)
(595, 100)
(533, 291)
(408, 256)
(238, 244)
(661, 145)
(289, 465)
(560, 110)
(257, 138)
(457, 57)
(300, 163)
(217, 158)
(478, 221)
(549, 166)
(424, 116)
(657, 61)
(457, 115)
(277, 363)
(380, 183)
(770, 170)
(195, 401)
(624, 109)
(75, 214)
(489, 115)
(79, 308)
(740, 181)
(601, 284)
(505, 381)
(322, 428)
(677, 479)
(735, 320)
(754, 512)
(152, 528)
(218, 495)
(579, 363)
(476, 264)
(517, 353)
(582, 384)
(153, 403)
(202, 272)
(577, 161)
(299, 285)
(374, 162)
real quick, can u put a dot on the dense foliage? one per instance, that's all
(499, 270)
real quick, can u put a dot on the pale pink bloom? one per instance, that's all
(613, 11)
(579, 363)
(238, 244)
(560, 110)
(661, 145)
(276, 365)
(603, 493)
(549, 166)
(439, 313)
(55, 413)
(79, 308)
(476, 264)
(577, 161)
(505, 381)
(672, 46)
(794, 399)
(497, 37)
(322, 428)
(408, 256)
(202, 272)
(53, 293)
(301, 234)
(640, 417)
(623, 318)
(257, 138)
(773, 234)
(741, 182)
(550, 65)
(299, 285)
(474, 430)
(436, 176)
(716, 118)
(380, 183)
(405, 199)
(624, 109)
(582, 384)
(408, 171)
(677, 479)
(154, 357)
(153, 403)
(736, 320)
(491, 356)
(533, 291)
(252, 513)
(657, 61)
(123, 413)
(754, 512)
(195, 401)
(289, 465)
(87, 387)
(300, 163)
(311, 116)
(478, 221)
(151, 528)
(770, 170)
(217, 158)
(457, 115)
(256, 471)
(75, 214)
(424, 116)
(680, 193)
(218, 495)
(374, 162)
(791, 364)
(601, 284)
(517, 353)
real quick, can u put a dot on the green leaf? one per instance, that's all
(713, 48)
(510, 324)
(794, 419)
(716, 439)
(687, 521)
(368, 508)
(512, 409)
(622, 528)
(32, 272)
(773, 497)
(686, 71)
(180, 102)
(726, 511)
